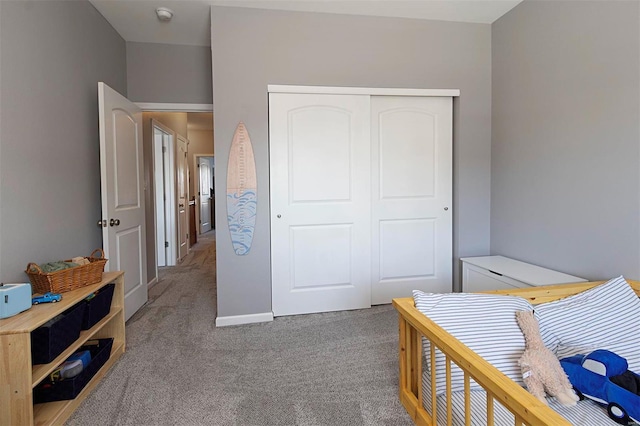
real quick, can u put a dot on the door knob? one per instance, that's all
(114, 222)
(102, 223)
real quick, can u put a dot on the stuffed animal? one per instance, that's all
(541, 369)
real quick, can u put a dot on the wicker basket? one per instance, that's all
(70, 278)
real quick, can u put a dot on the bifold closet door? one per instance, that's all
(411, 148)
(320, 185)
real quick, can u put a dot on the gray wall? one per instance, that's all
(565, 182)
(2, 278)
(275, 47)
(53, 55)
(167, 73)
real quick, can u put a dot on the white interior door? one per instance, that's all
(165, 193)
(320, 202)
(182, 195)
(170, 197)
(122, 192)
(160, 197)
(412, 191)
(204, 171)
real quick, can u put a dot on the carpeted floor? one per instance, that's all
(310, 370)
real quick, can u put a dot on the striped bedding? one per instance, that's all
(611, 311)
(585, 413)
(604, 317)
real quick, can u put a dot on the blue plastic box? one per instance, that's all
(14, 298)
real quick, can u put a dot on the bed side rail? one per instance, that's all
(414, 325)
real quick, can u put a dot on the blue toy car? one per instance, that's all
(591, 376)
(46, 298)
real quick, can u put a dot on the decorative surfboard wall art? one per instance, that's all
(241, 191)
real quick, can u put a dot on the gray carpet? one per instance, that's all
(309, 370)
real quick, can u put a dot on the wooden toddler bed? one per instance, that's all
(414, 326)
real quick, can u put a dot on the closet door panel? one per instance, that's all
(407, 153)
(319, 136)
(320, 162)
(411, 144)
(405, 250)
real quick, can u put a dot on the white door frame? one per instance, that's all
(196, 186)
(167, 107)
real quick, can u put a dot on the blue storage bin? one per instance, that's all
(98, 307)
(53, 337)
(47, 391)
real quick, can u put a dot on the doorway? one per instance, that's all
(204, 181)
(171, 199)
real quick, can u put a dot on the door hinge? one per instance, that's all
(166, 243)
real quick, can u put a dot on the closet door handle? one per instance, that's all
(114, 222)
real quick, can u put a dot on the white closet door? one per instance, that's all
(411, 147)
(320, 202)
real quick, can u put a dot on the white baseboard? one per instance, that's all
(152, 283)
(244, 319)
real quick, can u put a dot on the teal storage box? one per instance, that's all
(14, 298)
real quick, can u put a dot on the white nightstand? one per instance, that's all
(498, 272)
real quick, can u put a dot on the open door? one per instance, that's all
(183, 196)
(163, 178)
(121, 184)
(204, 169)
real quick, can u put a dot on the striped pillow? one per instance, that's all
(604, 317)
(485, 323)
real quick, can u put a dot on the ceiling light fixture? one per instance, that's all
(164, 14)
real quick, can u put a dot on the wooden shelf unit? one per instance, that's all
(18, 377)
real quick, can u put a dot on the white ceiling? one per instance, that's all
(135, 20)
